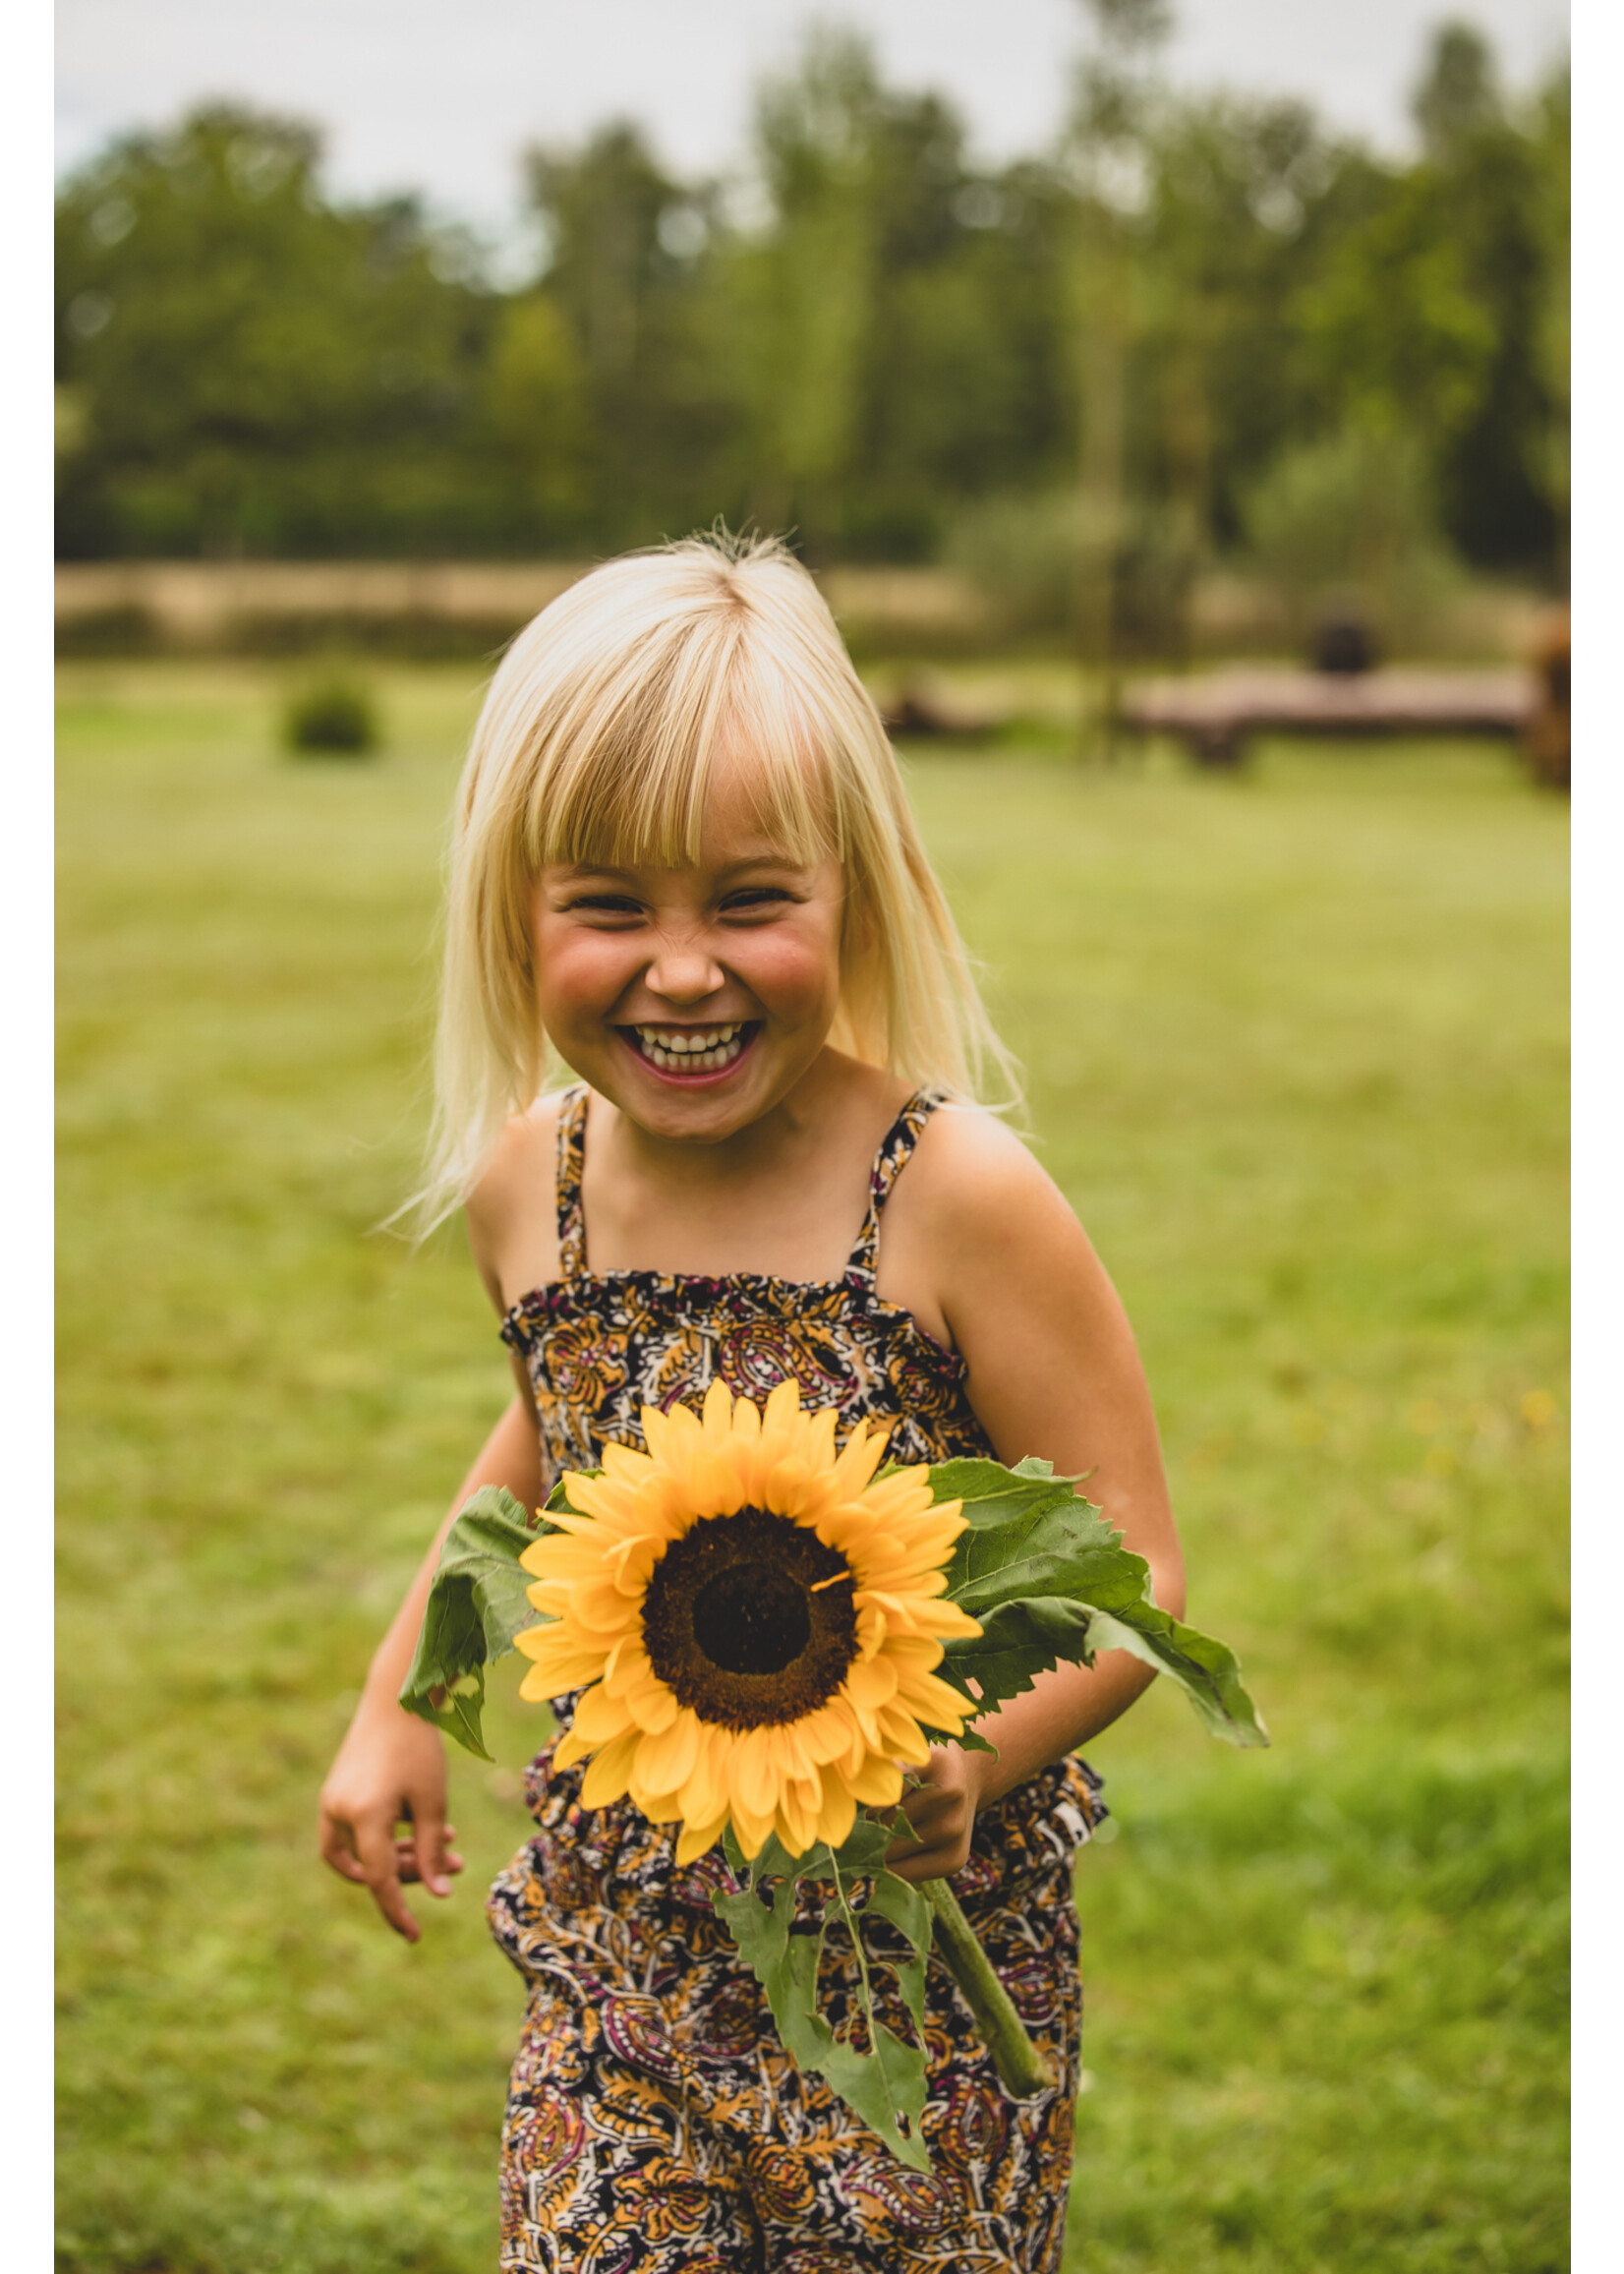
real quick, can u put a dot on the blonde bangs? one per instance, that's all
(625, 783)
(597, 745)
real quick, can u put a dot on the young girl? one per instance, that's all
(684, 867)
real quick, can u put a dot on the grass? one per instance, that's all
(1297, 1049)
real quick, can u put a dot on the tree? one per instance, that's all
(254, 370)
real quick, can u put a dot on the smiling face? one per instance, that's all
(694, 998)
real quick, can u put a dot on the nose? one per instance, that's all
(684, 971)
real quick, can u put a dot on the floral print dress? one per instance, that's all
(655, 2121)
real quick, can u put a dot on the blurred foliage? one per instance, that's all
(1348, 521)
(335, 714)
(866, 339)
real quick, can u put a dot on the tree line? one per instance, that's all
(1195, 324)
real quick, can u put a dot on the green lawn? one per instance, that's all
(1296, 1051)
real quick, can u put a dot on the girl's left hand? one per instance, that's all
(940, 1808)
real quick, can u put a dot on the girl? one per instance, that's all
(685, 867)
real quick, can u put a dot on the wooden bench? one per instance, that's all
(1216, 713)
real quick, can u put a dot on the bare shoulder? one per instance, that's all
(978, 1237)
(511, 1224)
(976, 1181)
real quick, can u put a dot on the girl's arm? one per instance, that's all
(392, 1766)
(1052, 1370)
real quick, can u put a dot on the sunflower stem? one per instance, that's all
(1019, 2065)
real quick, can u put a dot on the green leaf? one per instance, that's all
(1017, 1641)
(1029, 1522)
(1206, 1670)
(1026, 1637)
(477, 1604)
(1050, 1580)
(884, 2081)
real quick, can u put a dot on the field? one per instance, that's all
(1297, 1053)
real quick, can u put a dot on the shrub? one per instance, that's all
(335, 715)
(1349, 523)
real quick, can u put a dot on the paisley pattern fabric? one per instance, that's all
(655, 2121)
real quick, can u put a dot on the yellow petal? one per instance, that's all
(915, 1649)
(571, 1746)
(751, 1828)
(565, 1660)
(839, 1812)
(696, 1839)
(561, 1556)
(651, 1706)
(668, 1758)
(870, 1682)
(600, 1498)
(752, 1779)
(858, 1464)
(876, 1782)
(797, 1820)
(602, 1609)
(933, 1700)
(655, 1803)
(598, 1716)
(705, 1794)
(784, 1485)
(626, 1665)
(901, 1736)
(657, 1433)
(717, 1413)
(717, 1488)
(945, 1619)
(605, 1777)
(825, 1735)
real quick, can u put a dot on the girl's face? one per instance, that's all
(693, 998)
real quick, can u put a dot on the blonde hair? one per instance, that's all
(596, 742)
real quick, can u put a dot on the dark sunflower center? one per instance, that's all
(750, 1619)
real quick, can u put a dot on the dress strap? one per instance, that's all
(572, 1161)
(896, 1149)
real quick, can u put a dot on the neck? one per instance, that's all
(694, 1166)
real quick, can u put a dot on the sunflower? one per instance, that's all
(757, 1620)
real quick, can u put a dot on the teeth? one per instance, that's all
(671, 1047)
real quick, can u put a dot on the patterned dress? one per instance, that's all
(655, 2121)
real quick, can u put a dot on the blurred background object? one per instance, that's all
(1165, 389)
(1548, 734)
(331, 716)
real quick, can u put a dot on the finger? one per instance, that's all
(406, 1868)
(930, 1813)
(337, 1852)
(941, 1842)
(919, 1863)
(428, 1841)
(406, 1860)
(378, 1854)
(908, 1851)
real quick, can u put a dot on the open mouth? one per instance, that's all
(689, 1052)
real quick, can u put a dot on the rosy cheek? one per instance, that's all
(578, 969)
(791, 972)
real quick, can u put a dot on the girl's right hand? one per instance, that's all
(389, 1769)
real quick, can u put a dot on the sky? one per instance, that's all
(413, 94)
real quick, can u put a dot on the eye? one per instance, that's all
(756, 900)
(614, 905)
